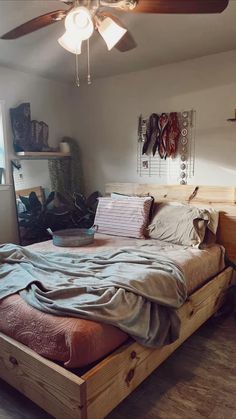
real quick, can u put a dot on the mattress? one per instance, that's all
(78, 342)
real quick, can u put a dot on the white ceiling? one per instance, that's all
(161, 39)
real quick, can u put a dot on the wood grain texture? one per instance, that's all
(181, 6)
(96, 393)
(196, 382)
(121, 372)
(41, 155)
(165, 193)
(35, 24)
(37, 189)
(221, 198)
(92, 396)
(52, 387)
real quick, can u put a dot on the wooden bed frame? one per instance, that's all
(94, 394)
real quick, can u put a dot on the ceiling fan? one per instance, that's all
(97, 10)
(83, 16)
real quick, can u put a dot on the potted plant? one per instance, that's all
(57, 213)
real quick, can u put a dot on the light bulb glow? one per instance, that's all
(70, 42)
(111, 32)
(79, 22)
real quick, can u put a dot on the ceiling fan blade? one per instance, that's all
(127, 42)
(175, 6)
(35, 24)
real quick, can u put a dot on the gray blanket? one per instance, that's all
(132, 288)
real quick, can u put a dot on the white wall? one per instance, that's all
(50, 102)
(104, 115)
(32, 173)
(108, 111)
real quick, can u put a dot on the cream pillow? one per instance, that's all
(180, 224)
(214, 220)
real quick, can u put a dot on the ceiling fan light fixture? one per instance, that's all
(79, 22)
(110, 31)
(70, 42)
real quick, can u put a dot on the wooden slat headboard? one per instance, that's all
(37, 189)
(221, 198)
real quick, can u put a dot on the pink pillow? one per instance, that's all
(123, 217)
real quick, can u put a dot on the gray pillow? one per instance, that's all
(180, 224)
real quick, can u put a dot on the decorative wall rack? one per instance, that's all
(178, 168)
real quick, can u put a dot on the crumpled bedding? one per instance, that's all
(136, 289)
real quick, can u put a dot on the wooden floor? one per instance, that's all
(197, 381)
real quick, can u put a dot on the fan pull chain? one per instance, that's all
(77, 81)
(88, 62)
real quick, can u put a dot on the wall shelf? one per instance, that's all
(42, 155)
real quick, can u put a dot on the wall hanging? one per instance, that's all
(166, 146)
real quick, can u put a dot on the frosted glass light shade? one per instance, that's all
(79, 22)
(70, 42)
(111, 32)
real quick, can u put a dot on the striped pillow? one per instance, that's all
(123, 217)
